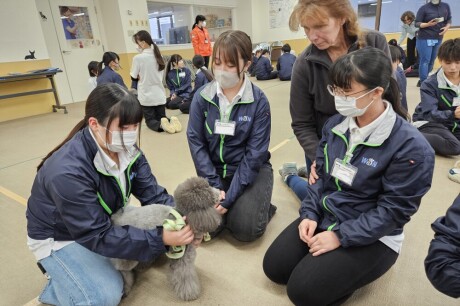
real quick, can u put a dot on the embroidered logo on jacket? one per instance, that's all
(244, 118)
(369, 162)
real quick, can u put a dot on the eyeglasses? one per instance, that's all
(336, 91)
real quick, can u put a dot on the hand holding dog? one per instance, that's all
(175, 238)
(220, 209)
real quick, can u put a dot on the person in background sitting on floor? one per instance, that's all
(178, 80)
(264, 69)
(442, 265)
(255, 58)
(202, 77)
(437, 116)
(78, 186)
(285, 63)
(228, 134)
(111, 62)
(92, 81)
(400, 76)
(350, 229)
(147, 73)
(392, 42)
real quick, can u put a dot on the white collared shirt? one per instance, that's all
(358, 135)
(452, 86)
(224, 104)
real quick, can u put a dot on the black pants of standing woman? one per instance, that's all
(206, 61)
(327, 279)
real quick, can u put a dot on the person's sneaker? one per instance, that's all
(418, 83)
(176, 124)
(454, 173)
(302, 171)
(166, 126)
(271, 211)
(288, 169)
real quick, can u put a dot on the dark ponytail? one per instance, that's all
(198, 18)
(105, 103)
(198, 62)
(106, 59)
(393, 95)
(145, 36)
(372, 68)
(175, 58)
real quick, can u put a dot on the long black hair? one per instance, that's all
(198, 62)
(175, 58)
(198, 18)
(106, 59)
(145, 36)
(105, 103)
(372, 68)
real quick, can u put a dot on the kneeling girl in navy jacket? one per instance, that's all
(178, 80)
(228, 135)
(374, 168)
(78, 185)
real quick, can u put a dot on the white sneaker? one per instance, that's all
(454, 173)
(167, 126)
(288, 169)
(174, 121)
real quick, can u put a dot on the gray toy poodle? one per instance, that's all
(195, 199)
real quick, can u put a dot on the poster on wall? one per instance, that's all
(280, 11)
(77, 27)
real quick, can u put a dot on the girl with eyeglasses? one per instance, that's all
(374, 168)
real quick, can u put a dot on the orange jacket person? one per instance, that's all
(200, 39)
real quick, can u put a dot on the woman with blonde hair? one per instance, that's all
(333, 30)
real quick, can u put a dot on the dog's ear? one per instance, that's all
(204, 220)
(194, 194)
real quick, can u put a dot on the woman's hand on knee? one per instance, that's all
(307, 228)
(175, 238)
(313, 175)
(324, 242)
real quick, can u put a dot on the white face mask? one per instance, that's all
(204, 24)
(129, 139)
(346, 106)
(226, 79)
(139, 50)
(435, 1)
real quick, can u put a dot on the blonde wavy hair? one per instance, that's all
(322, 10)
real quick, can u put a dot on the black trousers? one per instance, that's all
(173, 103)
(153, 115)
(327, 279)
(411, 57)
(273, 75)
(443, 141)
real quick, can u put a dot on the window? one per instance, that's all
(169, 23)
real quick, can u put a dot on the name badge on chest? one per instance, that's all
(225, 128)
(182, 74)
(206, 41)
(456, 101)
(344, 172)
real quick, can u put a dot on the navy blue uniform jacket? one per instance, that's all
(284, 66)
(395, 168)
(263, 68)
(442, 265)
(67, 201)
(180, 85)
(436, 103)
(237, 157)
(109, 76)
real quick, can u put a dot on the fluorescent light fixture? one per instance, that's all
(384, 2)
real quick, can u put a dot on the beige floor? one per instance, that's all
(230, 271)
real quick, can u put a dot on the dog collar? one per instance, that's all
(175, 252)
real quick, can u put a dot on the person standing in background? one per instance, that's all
(433, 19)
(408, 29)
(200, 39)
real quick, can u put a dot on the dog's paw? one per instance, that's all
(186, 284)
